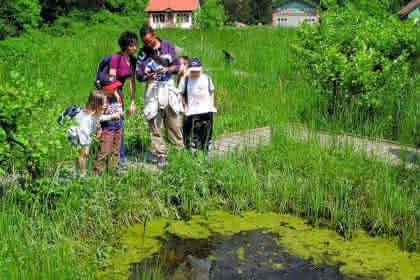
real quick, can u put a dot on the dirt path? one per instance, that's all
(388, 151)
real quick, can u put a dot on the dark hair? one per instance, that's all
(145, 29)
(185, 57)
(126, 39)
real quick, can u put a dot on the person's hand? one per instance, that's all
(182, 69)
(132, 108)
(164, 70)
(98, 133)
(116, 116)
(117, 96)
(185, 108)
(151, 76)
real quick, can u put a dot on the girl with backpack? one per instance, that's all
(121, 68)
(87, 123)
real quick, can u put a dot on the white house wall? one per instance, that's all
(293, 21)
(167, 24)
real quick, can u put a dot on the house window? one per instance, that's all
(183, 18)
(282, 20)
(158, 18)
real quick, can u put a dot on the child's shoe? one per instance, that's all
(162, 161)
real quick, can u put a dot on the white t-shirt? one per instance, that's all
(86, 126)
(198, 94)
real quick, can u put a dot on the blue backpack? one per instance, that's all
(102, 72)
(70, 111)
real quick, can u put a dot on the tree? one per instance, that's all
(18, 15)
(260, 11)
(211, 14)
(238, 10)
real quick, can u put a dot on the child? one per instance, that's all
(183, 68)
(199, 106)
(110, 137)
(87, 120)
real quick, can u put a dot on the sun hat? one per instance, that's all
(112, 86)
(194, 65)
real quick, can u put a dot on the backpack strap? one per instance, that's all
(186, 88)
(208, 78)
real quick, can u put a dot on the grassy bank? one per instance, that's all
(74, 238)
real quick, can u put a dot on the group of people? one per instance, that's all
(184, 108)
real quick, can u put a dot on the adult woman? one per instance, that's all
(122, 68)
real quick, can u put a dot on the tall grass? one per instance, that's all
(333, 186)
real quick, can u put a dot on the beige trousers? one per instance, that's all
(172, 122)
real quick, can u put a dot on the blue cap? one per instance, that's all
(194, 64)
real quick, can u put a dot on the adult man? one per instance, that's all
(156, 62)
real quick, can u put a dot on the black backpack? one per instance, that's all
(70, 111)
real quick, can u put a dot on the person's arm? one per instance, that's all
(211, 91)
(105, 118)
(182, 91)
(141, 62)
(213, 99)
(174, 67)
(113, 65)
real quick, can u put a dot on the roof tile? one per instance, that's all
(175, 5)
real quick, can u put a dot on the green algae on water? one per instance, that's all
(240, 253)
(364, 256)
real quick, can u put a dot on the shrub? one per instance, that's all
(18, 15)
(360, 62)
(25, 111)
(211, 14)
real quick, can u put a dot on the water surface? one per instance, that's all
(257, 246)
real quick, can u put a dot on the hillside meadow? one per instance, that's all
(70, 232)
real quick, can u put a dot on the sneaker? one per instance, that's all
(122, 164)
(162, 161)
(78, 174)
(152, 158)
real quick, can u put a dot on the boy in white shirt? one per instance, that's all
(199, 105)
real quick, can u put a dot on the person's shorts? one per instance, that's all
(74, 140)
(75, 143)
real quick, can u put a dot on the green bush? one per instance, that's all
(25, 111)
(361, 63)
(18, 15)
(211, 14)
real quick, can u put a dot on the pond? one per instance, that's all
(224, 246)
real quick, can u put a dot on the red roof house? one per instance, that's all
(171, 13)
